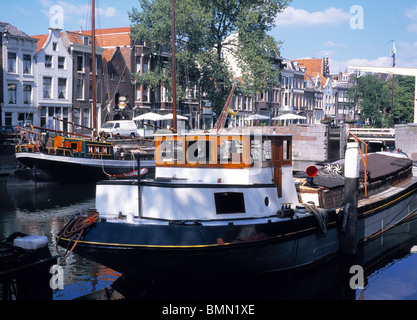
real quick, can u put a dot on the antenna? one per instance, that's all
(393, 53)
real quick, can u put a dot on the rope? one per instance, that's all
(74, 230)
(321, 218)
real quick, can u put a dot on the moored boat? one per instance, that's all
(223, 203)
(74, 160)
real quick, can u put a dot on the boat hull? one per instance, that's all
(270, 246)
(75, 170)
(201, 249)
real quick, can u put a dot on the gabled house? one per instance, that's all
(55, 82)
(18, 101)
(317, 80)
(79, 45)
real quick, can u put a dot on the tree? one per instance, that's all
(374, 95)
(203, 27)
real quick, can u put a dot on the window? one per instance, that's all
(27, 64)
(86, 117)
(80, 64)
(80, 89)
(138, 65)
(286, 151)
(76, 118)
(90, 90)
(43, 117)
(47, 86)
(27, 94)
(199, 152)
(12, 62)
(229, 202)
(55, 46)
(62, 88)
(171, 151)
(48, 61)
(11, 88)
(145, 65)
(65, 113)
(8, 117)
(61, 63)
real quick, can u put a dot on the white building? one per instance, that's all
(20, 89)
(292, 87)
(55, 81)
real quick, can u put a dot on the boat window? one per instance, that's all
(171, 150)
(286, 151)
(198, 151)
(261, 150)
(229, 202)
(230, 151)
(267, 150)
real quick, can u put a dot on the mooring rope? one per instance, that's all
(321, 218)
(74, 230)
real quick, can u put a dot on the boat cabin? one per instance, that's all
(189, 156)
(207, 177)
(81, 148)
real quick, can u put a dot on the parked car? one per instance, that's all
(119, 128)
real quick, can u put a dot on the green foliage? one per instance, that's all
(202, 26)
(374, 95)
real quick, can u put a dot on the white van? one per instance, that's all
(119, 128)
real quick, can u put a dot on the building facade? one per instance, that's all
(19, 84)
(79, 46)
(55, 82)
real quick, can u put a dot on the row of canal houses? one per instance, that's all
(46, 81)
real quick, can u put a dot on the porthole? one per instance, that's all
(266, 200)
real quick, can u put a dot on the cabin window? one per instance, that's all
(229, 202)
(171, 150)
(230, 151)
(198, 151)
(286, 151)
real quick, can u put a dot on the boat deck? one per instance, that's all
(395, 189)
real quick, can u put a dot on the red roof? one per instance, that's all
(313, 67)
(42, 39)
(112, 37)
(105, 38)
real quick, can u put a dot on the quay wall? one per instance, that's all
(406, 139)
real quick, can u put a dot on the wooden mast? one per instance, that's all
(93, 63)
(174, 86)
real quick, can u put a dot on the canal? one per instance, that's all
(389, 261)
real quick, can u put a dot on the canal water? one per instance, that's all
(389, 262)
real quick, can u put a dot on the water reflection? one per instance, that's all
(389, 266)
(44, 210)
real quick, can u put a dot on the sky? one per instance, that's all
(350, 32)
